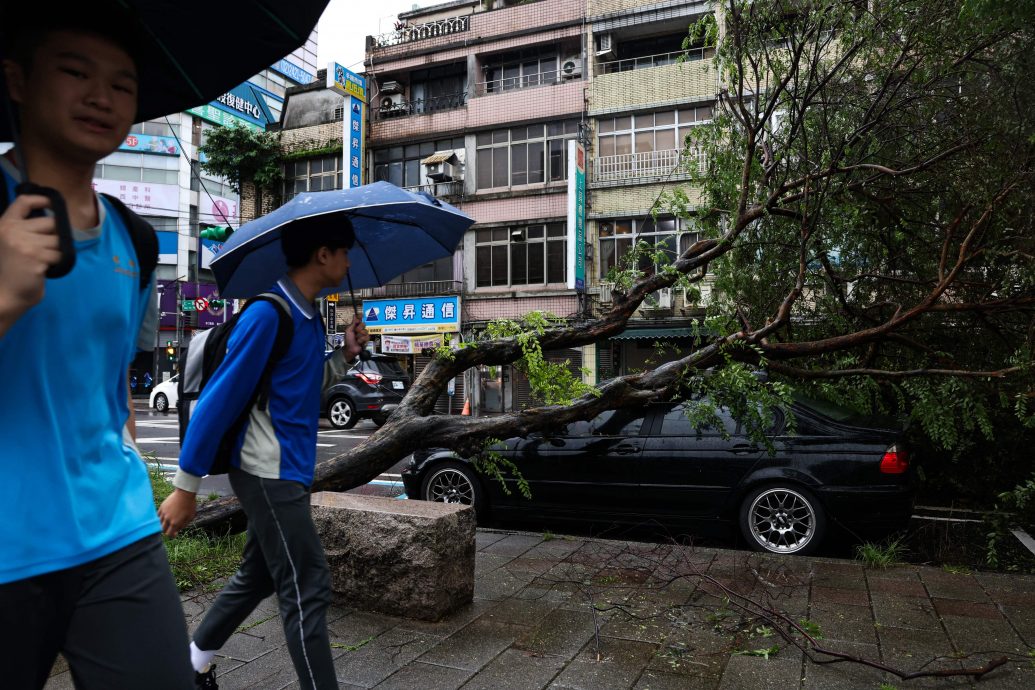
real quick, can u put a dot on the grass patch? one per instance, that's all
(881, 555)
(196, 558)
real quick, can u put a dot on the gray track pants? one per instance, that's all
(282, 555)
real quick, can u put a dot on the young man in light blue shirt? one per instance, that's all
(83, 569)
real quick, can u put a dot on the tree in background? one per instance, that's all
(864, 207)
(244, 156)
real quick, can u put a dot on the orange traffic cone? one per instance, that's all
(467, 408)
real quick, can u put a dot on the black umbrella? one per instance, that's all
(181, 62)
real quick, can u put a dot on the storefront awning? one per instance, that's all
(654, 334)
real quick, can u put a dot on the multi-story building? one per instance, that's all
(646, 94)
(476, 102)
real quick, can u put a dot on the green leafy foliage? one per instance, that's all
(494, 465)
(240, 155)
(553, 382)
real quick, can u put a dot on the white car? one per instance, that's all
(164, 396)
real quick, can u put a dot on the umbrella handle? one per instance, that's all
(59, 211)
(364, 354)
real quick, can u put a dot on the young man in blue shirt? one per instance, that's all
(83, 569)
(274, 459)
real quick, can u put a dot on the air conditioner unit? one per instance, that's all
(605, 293)
(391, 87)
(391, 102)
(571, 67)
(441, 166)
(605, 45)
(659, 299)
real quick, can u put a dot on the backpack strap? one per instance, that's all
(285, 334)
(143, 236)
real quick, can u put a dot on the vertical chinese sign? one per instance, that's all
(576, 216)
(353, 88)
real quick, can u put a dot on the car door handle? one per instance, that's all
(626, 450)
(744, 449)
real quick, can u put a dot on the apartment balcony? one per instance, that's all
(447, 191)
(503, 20)
(426, 288)
(422, 32)
(419, 106)
(659, 60)
(627, 87)
(647, 165)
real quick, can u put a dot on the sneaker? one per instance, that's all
(206, 680)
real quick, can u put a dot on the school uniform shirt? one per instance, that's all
(75, 488)
(278, 442)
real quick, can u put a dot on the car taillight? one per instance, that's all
(894, 461)
(369, 379)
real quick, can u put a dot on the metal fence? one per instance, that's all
(658, 60)
(415, 289)
(646, 164)
(386, 108)
(421, 32)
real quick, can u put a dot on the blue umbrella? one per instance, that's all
(396, 231)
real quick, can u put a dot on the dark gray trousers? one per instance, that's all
(117, 620)
(282, 555)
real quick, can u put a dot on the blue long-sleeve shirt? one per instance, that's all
(280, 441)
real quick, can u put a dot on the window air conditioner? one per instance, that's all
(441, 166)
(571, 67)
(391, 87)
(605, 45)
(605, 293)
(391, 102)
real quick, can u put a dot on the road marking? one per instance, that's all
(159, 439)
(156, 425)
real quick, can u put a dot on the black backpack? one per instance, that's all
(141, 234)
(206, 352)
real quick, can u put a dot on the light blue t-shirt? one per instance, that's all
(73, 490)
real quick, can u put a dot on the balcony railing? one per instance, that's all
(647, 164)
(424, 288)
(549, 78)
(440, 190)
(422, 32)
(419, 106)
(654, 60)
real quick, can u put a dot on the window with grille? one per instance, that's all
(617, 237)
(529, 255)
(525, 155)
(664, 131)
(312, 175)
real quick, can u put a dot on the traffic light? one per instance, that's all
(171, 353)
(216, 233)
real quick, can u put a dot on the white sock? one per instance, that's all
(199, 658)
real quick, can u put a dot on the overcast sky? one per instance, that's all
(346, 24)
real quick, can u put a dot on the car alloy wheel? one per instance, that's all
(161, 402)
(453, 482)
(782, 520)
(342, 414)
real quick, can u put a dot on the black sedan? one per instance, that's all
(640, 466)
